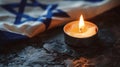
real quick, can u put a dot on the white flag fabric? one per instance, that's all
(20, 19)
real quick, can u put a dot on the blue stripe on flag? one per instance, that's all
(8, 37)
(20, 12)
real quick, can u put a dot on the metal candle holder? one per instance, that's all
(81, 42)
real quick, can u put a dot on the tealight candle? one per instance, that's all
(80, 33)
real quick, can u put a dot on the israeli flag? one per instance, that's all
(22, 19)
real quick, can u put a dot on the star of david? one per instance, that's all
(46, 18)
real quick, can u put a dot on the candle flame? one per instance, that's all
(81, 23)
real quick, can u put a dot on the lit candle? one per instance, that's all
(77, 33)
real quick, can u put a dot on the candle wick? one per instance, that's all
(80, 30)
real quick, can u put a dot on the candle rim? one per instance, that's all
(77, 22)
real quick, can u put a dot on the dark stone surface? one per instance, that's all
(49, 50)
